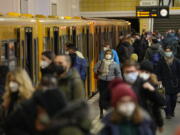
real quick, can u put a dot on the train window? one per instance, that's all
(74, 35)
(56, 40)
(8, 56)
(46, 43)
(54, 9)
(12, 57)
(4, 52)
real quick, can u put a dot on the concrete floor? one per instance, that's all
(169, 127)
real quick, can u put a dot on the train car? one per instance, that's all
(103, 30)
(24, 37)
(18, 43)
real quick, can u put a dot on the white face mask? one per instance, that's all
(144, 76)
(13, 86)
(131, 77)
(168, 54)
(105, 48)
(108, 56)
(127, 109)
(44, 64)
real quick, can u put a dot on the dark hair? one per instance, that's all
(154, 40)
(107, 43)
(71, 46)
(49, 54)
(109, 50)
(168, 47)
(129, 63)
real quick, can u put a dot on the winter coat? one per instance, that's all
(143, 128)
(124, 51)
(114, 71)
(115, 56)
(151, 101)
(21, 122)
(71, 85)
(169, 75)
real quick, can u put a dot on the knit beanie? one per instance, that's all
(134, 57)
(147, 66)
(120, 90)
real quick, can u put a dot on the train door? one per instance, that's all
(30, 51)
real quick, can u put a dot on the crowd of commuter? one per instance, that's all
(136, 82)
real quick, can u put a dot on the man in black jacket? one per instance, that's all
(168, 71)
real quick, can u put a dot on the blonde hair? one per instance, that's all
(26, 88)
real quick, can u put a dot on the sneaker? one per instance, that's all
(173, 115)
(168, 117)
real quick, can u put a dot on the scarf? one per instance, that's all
(169, 61)
(104, 69)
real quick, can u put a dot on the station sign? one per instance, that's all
(152, 11)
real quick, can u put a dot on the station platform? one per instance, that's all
(169, 125)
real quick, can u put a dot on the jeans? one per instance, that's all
(170, 104)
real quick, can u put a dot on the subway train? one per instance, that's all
(23, 37)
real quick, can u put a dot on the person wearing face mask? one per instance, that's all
(154, 108)
(106, 47)
(142, 86)
(126, 117)
(68, 47)
(168, 71)
(106, 70)
(69, 80)
(79, 63)
(46, 63)
(18, 88)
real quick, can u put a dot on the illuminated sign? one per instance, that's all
(152, 11)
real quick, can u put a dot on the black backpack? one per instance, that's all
(155, 57)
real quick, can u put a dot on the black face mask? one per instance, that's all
(59, 69)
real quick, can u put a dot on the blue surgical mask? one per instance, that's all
(131, 77)
(168, 54)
